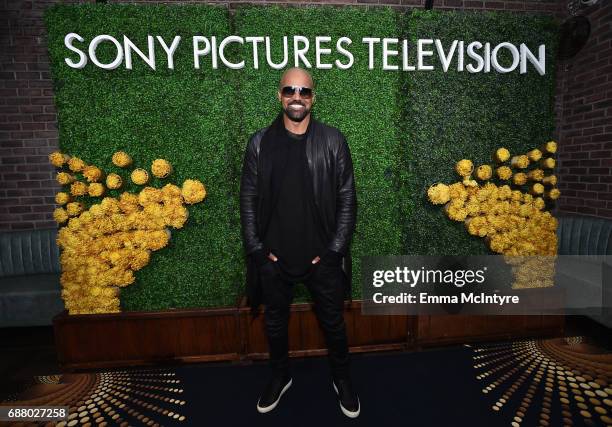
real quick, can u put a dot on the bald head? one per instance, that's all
(296, 76)
(298, 97)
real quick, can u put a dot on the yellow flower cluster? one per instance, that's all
(532, 272)
(514, 223)
(102, 247)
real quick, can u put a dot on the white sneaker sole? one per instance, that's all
(350, 414)
(272, 406)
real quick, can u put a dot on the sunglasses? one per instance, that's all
(305, 92)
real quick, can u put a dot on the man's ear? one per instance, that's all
(278, 95)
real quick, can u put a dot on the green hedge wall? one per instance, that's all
(405, 130)
(450, 116)
(359, 102)
(179, 115)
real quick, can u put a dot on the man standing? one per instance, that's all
(298, 211)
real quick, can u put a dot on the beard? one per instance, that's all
(296, 115)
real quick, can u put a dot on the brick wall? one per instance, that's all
(28, 122)
(584, 117)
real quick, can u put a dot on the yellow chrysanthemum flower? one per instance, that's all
(505, 192)
(519, 178)
(502, 155)
(58, 159)
(128, 202)
(110, 205)
(193, 191)
(74, 208)
(60, 215)
(161, 168)
(550, 180)
(96, 189)
(62, 198)
(550, 147)
(457, 191)
(139, 176)
(548, 163)
(484, 172)
(78, 188)
(76, 165)
(534, 155)
(537, 188)
(539, 203)
(114, 181)
(122, 159)
(438, 194)
(455, 213)
(92, 173)
(536, 175)
(149, 195)
(464, 167)
(520, 162)
(64, 178)
(504, 173)
(553, 194)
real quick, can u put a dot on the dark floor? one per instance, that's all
(29, 351)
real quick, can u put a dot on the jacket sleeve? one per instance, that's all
(346, 199)
(249, 197)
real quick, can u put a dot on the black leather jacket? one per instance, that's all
(331, 168)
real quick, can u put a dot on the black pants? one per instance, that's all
(325, 285)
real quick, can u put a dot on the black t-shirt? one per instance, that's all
(294, 234)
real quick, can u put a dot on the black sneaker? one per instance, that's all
(271, 395)
(349, 401)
